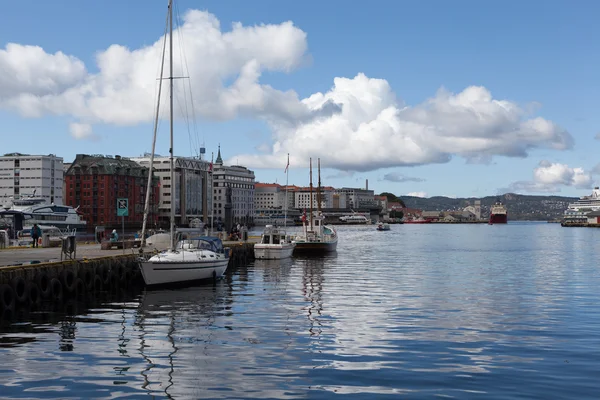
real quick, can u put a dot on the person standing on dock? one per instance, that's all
(36, 232)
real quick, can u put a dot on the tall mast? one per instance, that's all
(287, 168)
(173, 186)
(212, 192)
(151, 166)
(319, 185)
(311, 200)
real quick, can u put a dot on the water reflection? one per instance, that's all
(450, 311)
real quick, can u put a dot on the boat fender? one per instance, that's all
(68, 280)
(7, 298)
(57, 289)
(43, 283)
(88, 279)
(97, 282)
(80, 287)
(20, 288)
(33, 293)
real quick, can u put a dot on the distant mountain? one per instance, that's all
(519, 207)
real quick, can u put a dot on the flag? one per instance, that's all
(210, 167)
(288, 164)
(304, 216)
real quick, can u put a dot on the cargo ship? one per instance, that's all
(498, 214)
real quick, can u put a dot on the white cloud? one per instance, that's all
(417, 194)
(358, 125)
(549, 177)
(398, 177)
(123, 92)
(81, 131)
(375, 130)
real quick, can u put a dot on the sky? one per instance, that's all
(427, 98)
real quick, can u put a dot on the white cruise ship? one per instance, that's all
(44, 213)
(577, 212)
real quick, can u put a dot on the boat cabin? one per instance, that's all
(273, 235)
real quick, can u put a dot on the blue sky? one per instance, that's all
(542, 57)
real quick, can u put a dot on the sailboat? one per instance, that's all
(316, 237)
(193, 257)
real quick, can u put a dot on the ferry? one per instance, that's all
(44, 213)
(577, 212)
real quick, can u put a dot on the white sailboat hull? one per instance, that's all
(273, 251)
(183, 266)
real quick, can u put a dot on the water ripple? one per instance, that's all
(458, 311)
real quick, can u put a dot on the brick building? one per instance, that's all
(95, 182)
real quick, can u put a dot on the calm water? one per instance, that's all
(462, 311)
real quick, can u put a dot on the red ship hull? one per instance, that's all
(498, 219)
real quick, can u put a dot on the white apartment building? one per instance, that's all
(302, 198)
(191, 189)
(358, 198)
(23, 175)
(240, 181)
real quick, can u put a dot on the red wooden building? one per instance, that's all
(95, 182)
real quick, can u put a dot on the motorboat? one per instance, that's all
(274, 244)
(383, 226)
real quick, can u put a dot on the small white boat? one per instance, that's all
(274, 244)
(382, 226)
(193, 259)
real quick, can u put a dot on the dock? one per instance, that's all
(30, 277)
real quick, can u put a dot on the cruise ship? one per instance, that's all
(498, 214)
(577, 212)
(49, 214)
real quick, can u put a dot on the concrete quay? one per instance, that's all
(32, 277)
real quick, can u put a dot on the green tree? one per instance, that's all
(393, 198)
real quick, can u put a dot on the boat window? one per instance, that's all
(275, 239)
(266, 240)
(317, 222)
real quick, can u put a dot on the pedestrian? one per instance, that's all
(114, 236)
(36, 232)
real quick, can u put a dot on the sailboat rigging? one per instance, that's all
(316, 237)
(192, 257)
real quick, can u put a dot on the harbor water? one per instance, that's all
(421, 311)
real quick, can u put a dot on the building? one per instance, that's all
(95, 182)
(23, 175)
(358, 198)
(302, 198)
(190, 190)
(233, 193)
(475, 209)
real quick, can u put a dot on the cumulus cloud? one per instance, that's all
(374, 129)
(224, 70)
(550, 177)
(81, 131)
(358, 125)
(417, 194)
(398, 177)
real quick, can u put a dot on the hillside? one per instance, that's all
(520, 207)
